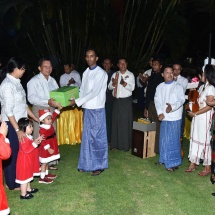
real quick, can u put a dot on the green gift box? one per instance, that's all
(64, 94)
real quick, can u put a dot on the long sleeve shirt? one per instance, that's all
(183, 81)
(38, 89)
(13, 99)
(93, 89)
(173, 94)
(64, 79)
(123, 92)
(154, 80)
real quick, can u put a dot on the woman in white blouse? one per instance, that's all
(13, 107)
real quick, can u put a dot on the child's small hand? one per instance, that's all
(4, 129)
(50, 150)
(39, 139)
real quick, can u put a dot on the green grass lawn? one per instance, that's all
(131, 185)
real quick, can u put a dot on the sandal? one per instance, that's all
(52, 167)
(97, 172)
(170, 169)
(191, 168)
(204, 173)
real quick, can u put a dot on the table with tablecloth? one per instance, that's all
(69, 126)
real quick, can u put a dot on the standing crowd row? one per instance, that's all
(106, 98)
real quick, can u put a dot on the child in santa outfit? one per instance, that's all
(5, 152)
(27, 164)
(48, 150)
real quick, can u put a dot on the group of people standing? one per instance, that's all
(106, 99)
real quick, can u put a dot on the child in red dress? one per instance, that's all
(27, 164)
(5, 152)
(48, 150)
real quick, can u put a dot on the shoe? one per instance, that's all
(81, 170)
(45, 180)
(191, 168)
(27, 196)
(52, 167)
(204, 173)
(51, 176)
(170, 169)
(33, 190)
(97, 172)
(159, 163)
(175, 167)
(212, 179)
(213, 194)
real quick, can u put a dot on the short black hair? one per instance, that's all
(157, 59)
(178, 63)
(41, 60)
(122, 58)
(209, 73)
(23, 123)
(92, 49)
(166, 66)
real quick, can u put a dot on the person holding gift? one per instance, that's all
(38, 89)
(94, 146)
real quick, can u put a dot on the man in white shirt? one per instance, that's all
(122, 83)
(38, 89)
(177, 68)
(94, 145)
(169, 98)
(71, 77)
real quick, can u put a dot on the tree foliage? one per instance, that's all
(63, 30)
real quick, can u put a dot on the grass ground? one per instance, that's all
(131, 185)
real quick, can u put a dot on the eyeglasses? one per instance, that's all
(23, 68)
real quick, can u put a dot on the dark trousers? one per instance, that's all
(108, 111)
(9, 165)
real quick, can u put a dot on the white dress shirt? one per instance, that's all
(38, 89)
(64, 79)
(13, 99)
(93, 89)
(123, 92)
(173, 94)
(183, 81)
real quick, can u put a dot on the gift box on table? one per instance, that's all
(143, 140)
(64, 94)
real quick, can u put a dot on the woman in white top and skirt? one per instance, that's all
(200, 135)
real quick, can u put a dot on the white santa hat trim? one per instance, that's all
(44, 113)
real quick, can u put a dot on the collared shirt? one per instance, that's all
(38, 89)
(173, 94)
(183, 81)
(64, 79)
(13, 99)
(93, 89)
(123, 92)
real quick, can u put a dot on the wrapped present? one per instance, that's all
(64, 94)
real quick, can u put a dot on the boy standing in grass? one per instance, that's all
(169, 99)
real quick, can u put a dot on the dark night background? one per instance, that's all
(98, 23)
